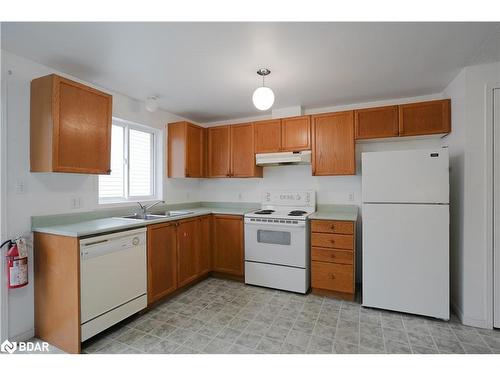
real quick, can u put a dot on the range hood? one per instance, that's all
(283, 158)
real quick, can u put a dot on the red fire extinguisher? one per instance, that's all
(17, 263)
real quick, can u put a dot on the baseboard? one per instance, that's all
(468, 321)
(227, 276)
(24, 336)
(457, 310)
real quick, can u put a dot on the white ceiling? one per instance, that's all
(206, 71)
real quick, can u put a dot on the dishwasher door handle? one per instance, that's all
(110, 248)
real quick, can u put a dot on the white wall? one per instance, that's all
(477, 263)
(3, 164)
(50, 193)
(456, 144)
(470, 144)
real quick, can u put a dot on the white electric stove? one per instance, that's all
(277, 241)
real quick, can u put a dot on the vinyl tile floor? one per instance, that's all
(220, 316)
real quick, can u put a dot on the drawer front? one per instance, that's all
(336, 241)
(332, 226)
(331, 276)
(332, 256)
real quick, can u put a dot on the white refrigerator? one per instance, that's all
(405, 256)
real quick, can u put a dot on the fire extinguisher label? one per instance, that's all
(18, 272)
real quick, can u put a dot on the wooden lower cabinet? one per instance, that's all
(188, 251)
(332, 276)
(181, 252)
(332, 240)
(333, 258)
(228, 245)
(205, 258)
(331, 255)
(162, 260)
(57, 290)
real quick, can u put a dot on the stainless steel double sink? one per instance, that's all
(157, 216)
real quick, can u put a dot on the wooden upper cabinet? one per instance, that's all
(188, 238)
(267, 136)
(162, 260)
(380, 122)
(333, 144)
(194, 151)
(242, 152)
(70, 127)
(228, 244)
(425, 118)
(296, 133)
(185, 150)
(219, 151)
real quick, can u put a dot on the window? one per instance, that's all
(132, 176)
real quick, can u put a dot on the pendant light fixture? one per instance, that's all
(263, 97)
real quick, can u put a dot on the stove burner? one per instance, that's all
(297, 213)
(264, 212)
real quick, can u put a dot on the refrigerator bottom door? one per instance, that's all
(406, 258)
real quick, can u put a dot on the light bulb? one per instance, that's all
(263, 98)
(151, 104)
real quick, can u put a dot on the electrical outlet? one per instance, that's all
(351, 197)
(75, 202)
(20, 186)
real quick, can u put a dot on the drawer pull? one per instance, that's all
(332, 227)
(332, 255)
(332, 276)
(332, 241)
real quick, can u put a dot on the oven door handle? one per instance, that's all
(276, 225)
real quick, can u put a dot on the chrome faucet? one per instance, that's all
(145, 208)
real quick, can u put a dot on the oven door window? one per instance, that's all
(274, 237)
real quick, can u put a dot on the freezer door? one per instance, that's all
(414, 176)
(406, 258)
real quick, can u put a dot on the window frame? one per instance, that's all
(127, 125)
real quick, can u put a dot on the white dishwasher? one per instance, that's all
(113, 279)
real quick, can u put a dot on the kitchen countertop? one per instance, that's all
(88, 225)
(342, 212)
(112, 224)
